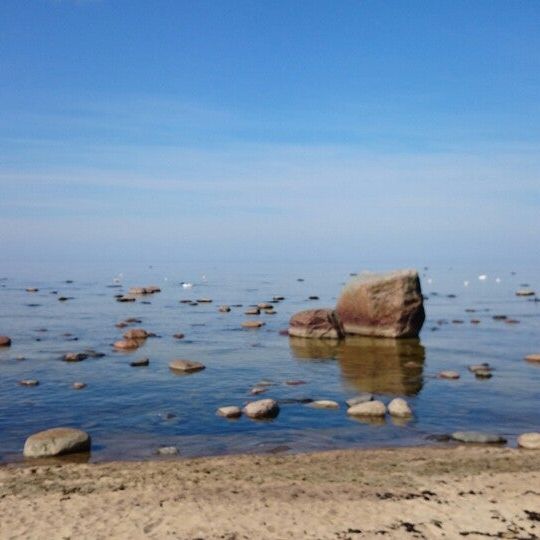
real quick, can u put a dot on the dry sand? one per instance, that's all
(404, 493)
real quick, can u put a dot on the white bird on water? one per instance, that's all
(482, 277)
(187, 285)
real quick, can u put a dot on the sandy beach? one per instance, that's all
(461, 492)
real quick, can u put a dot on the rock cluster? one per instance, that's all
(381, 305)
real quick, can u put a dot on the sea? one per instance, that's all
(130, 412)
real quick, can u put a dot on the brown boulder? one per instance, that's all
(136, 333)
(316, 323)
(383, 305)
(5, 341)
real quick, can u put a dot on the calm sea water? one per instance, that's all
(130, 412)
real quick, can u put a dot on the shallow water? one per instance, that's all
(130, 412)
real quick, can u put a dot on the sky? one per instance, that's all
(393, 131)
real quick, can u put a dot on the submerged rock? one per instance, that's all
(448, 375)
(477, 437)
(167, 451)
(29, 382)
(316, 323)
(56, 441)
(136, 333)
(127, 344)
(230, 411)
(361, 398)
(383, 305)
(324, 404)
(186, 366)
(142, 362)
(74, 357)
(263, 408)
(252, 324)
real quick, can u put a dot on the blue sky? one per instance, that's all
(404, 131)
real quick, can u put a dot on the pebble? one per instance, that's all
(167, 451)
(78, 385)
(56, 441)
(533, 357)
(142, 362)
(29, 382)
(400, 408)
(360, 398)
(5, 341)
(368, 408)
(252, 324)
(230, 411)
(263, 408)
(530, 441)
(74, 357)
(324, 404)
(186, 366)
(477, 437)
(448, 375)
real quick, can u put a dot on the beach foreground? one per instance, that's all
(462, 492)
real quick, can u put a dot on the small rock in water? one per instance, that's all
(525, 292)
(499, 317)
(78, 385)
(313, 297)
(167, 451)
(475, 321)
(511, 321)
(533, 357)
(127, 344)
(136, 333)
(142, 362)
(477, 437)
(186, 366)
(265, 305)
(483, 374)
(32, 289)
(530, 441)
(229, 411)
(94, 354)
(56, 441)
(258, 390)
(224, 309)
(5, 341)
(74, 357)
(252, 311)
(324, 404)
(400, 408)
(263, 408)
(252, 324)
(479, 367)
(204, 300)
(126, 298)
(295, 383)
(448, 375)
(29, 382)
(360, 398)
(368, 408)
(179, 335)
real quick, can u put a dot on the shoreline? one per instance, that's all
(411, 492)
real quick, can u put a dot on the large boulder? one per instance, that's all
(383, 305)
(56, 441)
(316, 323)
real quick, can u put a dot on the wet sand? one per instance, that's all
(461, 492)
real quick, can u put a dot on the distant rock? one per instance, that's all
(480, 367)
(229, 411)
(56, 441)
(533, 357)
(530, 441)
(136, 333)
(74, 357)
(142, 362)
(179, 335)
(256, 390)
(224, 309)
(32, 289)
(525, 292)
(324, 404)
(360, 398)
(368, 408)
(263, 408)
(477, 437)
(265, 305)
(204, 300)
(448, 375)
(399, 408)
(316, 323)
(252, 324)
(383, 305)
(186, 366)
(252, 311)
(78, 385)
(29, 382)
(127, 344)
(5, 341)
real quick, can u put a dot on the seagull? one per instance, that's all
(187, 285)
(482, 277)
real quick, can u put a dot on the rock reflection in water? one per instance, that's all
(379, 366)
